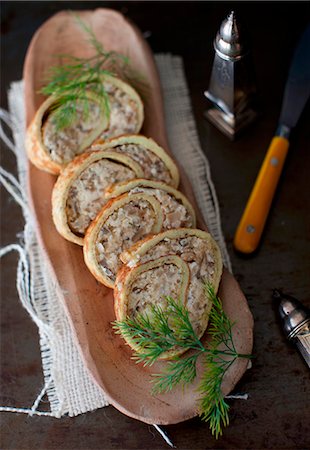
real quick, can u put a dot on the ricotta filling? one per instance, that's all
(153, 167)
(86, 194)
(66, 143)
(152, 287)
(176, 214)
(124, 227)
(123, 113)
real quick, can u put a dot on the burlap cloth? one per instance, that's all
(68, 385)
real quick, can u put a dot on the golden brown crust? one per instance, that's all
(118, 292)
(65, 180)
(148, 144)
(91, 236)
(35, 147)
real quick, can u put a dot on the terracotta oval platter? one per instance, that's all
(88, 304)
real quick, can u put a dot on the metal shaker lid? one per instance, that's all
(293, 313)
(229, 42)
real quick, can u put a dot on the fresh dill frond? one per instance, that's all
(181, 371)
(151, 339)
(163, 330)
(71, 81)
(213, 406)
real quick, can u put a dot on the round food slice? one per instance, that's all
(121, 223)
(196, 247)
(139, 289)
(198, 250)
(79, 192)
(154, 160)
(177, 210)
(51, 148)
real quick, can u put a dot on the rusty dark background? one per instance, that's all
(276, 415)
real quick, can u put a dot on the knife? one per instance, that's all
(297, 91)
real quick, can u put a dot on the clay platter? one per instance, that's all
(88, 304)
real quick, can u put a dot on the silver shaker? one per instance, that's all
(232, 89)
(295, 319)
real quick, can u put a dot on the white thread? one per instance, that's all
(238, 396)
(11, 178)
(39, 397)
(7, 119)
(164, 436)
(33, 410)
(23, 283)
(13, 187)
(26, 411)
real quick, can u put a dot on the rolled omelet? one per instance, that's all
(122, 222)
(153, 159)
(138, 289)
(198, 251)
(177, 210)
(79, 192)
(51, 149)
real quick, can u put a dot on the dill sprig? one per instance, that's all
(78, 81)
(165, 330)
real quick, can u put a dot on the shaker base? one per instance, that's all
(230, 125)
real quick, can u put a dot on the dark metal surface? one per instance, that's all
(276, 415)
(297, 89)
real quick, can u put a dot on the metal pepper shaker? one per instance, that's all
(232, 88)
(295, 322)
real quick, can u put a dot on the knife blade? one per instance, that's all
(296, 95)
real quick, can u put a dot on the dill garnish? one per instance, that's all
(77, 81)
(161, 331)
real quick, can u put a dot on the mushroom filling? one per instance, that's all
(125, 226)
(192, 249)
(196, 252)
(152, 287)
(63, 144)
(153, 167)
(155, 285)
(86, 194)
(123, 113)
(175, 213)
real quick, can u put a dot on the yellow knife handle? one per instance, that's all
(253, 220)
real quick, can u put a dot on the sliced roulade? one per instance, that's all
(202, 255)
(79, 192)
(150, 277)
(121, 223)
(154, 160)
(177, 210)
(138, 289)
(51, 148)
